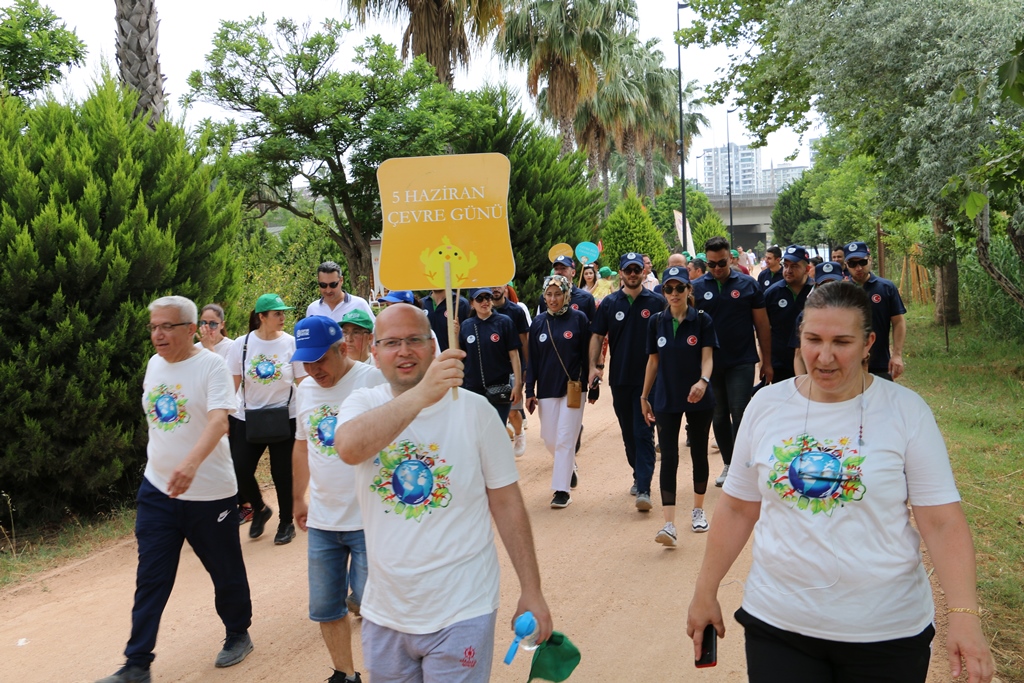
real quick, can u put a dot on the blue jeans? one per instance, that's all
(637, 435)
(330, 573)
(733, 388)
(162, 524)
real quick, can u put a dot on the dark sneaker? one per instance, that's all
(129, 673)
(574, 482)
(285, 534)
(259, 521)
(633, 490)
(237, 647)
(561, 499)
(338, 677)
(352, 605)
(244, 514)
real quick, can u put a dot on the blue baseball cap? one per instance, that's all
(313, 336)
(403, 296)
(827, 272)
(856, 250)
(678, 273)
(563, 261)
(632, 258)
(480, 290)
(795, 252)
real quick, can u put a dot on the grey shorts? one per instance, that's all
(460, 653)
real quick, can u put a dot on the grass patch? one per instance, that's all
(977, 394)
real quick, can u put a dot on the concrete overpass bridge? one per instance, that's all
(751, 214)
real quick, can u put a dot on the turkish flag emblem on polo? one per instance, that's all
(692, 340)
(735, 294)
(495, 337)
(645, 313)
(877, 298)
(568, 334)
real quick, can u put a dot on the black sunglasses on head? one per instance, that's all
(332, 285)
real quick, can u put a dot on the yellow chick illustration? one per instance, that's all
(434, 260)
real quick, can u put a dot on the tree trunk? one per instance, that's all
(649, 174)
(629, 150)
(135, 39)
(985, 258)
(359, 258)
(947, 279)
(594, 165)
(566, 128)
(606, 183)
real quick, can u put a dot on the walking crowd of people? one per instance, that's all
(826, 460)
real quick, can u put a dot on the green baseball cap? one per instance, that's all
(606, 272)
(358, 317)
(702, 256)
(735, 253)
(555, 659)
(271, 302)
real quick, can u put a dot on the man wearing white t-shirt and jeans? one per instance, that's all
(337, 548)
(188, 490)
(431, 472)
(334, 302)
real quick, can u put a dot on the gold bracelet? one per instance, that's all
(965, 610)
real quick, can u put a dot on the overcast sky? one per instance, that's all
(187, 28)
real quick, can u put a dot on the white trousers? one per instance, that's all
(560, 427)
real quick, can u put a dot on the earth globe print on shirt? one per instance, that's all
(817, 475)
(165, 407)
(413, 479)
(264, 369)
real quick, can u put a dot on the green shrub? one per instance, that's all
(981, 299)
(630, 228)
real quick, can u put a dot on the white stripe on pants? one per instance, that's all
(560, 427)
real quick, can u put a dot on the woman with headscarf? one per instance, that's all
(557, 369)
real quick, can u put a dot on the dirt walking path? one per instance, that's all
(617, 594)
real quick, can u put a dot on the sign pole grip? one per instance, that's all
(453, 339)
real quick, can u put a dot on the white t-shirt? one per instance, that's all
(348, 303)
(176, 398)
(221, 348)
(835, 555)
(332, 486)
(269, 374)
(432, 559)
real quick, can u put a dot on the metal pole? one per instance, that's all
(682, 134)
(728, 149)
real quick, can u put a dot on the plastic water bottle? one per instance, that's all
(526, 635)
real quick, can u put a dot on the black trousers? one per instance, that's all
(698, 427)
(246, 457)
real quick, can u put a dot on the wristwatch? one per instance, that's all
(706, 379)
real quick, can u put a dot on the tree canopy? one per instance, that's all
(35, 47)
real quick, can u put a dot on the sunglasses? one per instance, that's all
(332, 285)
(856, 263)
(718, 264)
(483, 297)
(211, 325)
(633, 270)
(669, 289)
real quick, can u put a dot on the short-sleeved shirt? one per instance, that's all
(569, 334)
(579, 300)
(332, 486)
(834, 528)
(268, 378)
(438, 316)
(680, 353)
(625, 323)
(348, 303)
(784, 307)
(487, 343)
(221, 348)
(423, 498)
(885, 303)
(731, 306)
(176, 398)
(766, 278)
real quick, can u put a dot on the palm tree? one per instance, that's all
(135, 40)
(623, 99)
(564, 43)
(436, 28)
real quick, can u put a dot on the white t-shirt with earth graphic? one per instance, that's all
(268, 375)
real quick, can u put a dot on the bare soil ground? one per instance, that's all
(617, 594)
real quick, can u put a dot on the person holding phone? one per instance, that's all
(211, 331)
(826, 464)
(557, 368)
(680, 343)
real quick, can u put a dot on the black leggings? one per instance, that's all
(698, 425)
(777, 656)
(246, 457)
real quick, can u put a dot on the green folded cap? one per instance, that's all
(702, 256)
(606, 272)
(270, 302)
(358, 317)
(555, 659)
(735, 253)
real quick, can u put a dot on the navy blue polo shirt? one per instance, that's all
(570, 334)
(783, 308)
(438, 316)
(487, 342)
(679, 360)
(885, 303)
(625, 324)
(731, 307)
(516, 314)
(579, 300)
(766, 278)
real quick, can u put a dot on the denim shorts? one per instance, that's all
(330, 573)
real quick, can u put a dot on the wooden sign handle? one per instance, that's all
(453, 339)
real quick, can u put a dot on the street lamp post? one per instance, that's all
(728, 150)
(682, 134)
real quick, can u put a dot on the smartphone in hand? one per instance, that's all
(708, 648)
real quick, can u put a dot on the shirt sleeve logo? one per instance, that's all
(645, 313)
(783, 303)
(620, 316)
(662, 341)
(567, 334)
(692, 340)
(735, 294)
(471, 339)
(877, 298)
(495, 337)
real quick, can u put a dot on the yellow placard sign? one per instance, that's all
(560, 249)
(445, 210)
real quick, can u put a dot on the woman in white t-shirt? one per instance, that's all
(261, 363)
(837, 590)
(211, 331)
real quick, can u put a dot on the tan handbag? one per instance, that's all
(573, 388)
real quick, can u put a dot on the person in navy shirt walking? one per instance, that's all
(772, 272)
(579, 299)
(492, 346)
(887, 312)
(623, 317)
(784, 301)
(735, 303)
(437, 313)
(680, 342)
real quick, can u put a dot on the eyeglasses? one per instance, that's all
(166, 327)
(856, 263)
(483, 297)
(718, 264)
(394, 343)
(211, 324)
(669, 289)
(332, 285)
(355, 331)
(632, 270)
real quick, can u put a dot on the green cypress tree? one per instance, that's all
(630, 228)
(99, 214)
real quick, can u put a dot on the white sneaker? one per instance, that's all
(700, 522)
(720, 482)
(519, 445)
(525, 422)
(667, 535)
(643, 502)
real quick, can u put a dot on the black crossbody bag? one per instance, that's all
(265, 425)
(497, 394)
